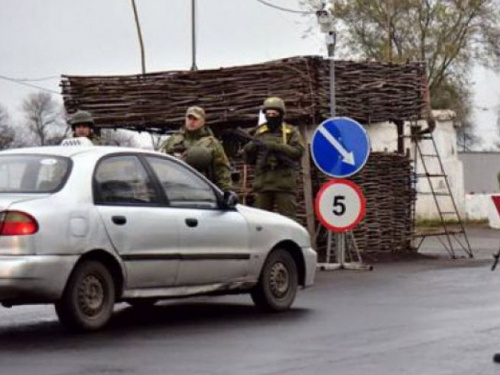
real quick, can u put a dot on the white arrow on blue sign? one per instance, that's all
(340, 147)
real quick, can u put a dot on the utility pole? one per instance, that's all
(139, 33)
(193, 33)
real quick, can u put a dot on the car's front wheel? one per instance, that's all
(278, 282)
(89, 297)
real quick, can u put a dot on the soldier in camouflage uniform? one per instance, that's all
(276, 153)
(82, 124)
(196, 145)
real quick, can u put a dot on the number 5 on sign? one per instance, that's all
(340, 205)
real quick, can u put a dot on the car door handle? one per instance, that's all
(191, 222)
(119, 220)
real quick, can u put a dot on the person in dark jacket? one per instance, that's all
(275, 153)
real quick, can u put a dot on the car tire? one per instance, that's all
(277, 284)
(88, 299)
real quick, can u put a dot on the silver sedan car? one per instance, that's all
(85, 227)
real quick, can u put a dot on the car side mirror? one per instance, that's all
(230, 199)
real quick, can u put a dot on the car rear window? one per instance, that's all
(32, 173)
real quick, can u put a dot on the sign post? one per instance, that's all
(340, 148)
(329, 139)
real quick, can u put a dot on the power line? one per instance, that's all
(37, 79)
(21, 82)
(284, 9)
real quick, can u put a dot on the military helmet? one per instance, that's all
(199, 157)
(274, 102)
(82, 118)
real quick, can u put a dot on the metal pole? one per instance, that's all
(339, 237)
(193, 33)
(331, 51)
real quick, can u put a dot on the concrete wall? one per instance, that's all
(482, 169)
(481, 207)
(480, 180)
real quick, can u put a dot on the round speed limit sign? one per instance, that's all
(340, 205)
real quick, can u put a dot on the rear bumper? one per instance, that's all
(33, 278)
(310, 259)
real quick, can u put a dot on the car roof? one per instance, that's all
(71, 151)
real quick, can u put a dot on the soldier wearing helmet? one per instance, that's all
(196, 145)
(275, 154)
(82, 124)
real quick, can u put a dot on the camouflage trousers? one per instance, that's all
(285, 202)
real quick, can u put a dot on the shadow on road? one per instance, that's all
(164, 319)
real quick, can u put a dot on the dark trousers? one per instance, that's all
(285, 202)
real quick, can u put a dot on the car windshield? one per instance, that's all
(32, 173)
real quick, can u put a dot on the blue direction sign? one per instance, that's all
(340, 147)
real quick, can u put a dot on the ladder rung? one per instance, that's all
(449, 213)
(439, 233)
(418, 136)
(430, 155)
(436, 194)
(430, 175)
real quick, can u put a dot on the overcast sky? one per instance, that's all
(47, 38)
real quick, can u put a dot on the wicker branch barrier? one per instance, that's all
(368, 92)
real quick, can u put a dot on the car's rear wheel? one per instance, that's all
(88, 300)
(278, 282)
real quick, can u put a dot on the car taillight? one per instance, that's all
(17, 223)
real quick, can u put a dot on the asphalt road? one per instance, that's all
(438, 316)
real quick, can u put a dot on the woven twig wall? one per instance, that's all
(366, 91)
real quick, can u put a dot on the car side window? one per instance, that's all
(182, 187)
(123, 180)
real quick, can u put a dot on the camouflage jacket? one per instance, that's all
(180, 142)
(97, 141)
(276, 158)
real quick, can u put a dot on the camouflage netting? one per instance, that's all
(365, 91)
(369, 92)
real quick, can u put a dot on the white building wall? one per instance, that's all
(383, 137)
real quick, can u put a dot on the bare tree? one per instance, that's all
(114, 137)
(44, 123)
(7, 133)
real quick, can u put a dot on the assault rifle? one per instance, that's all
(246, 137)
